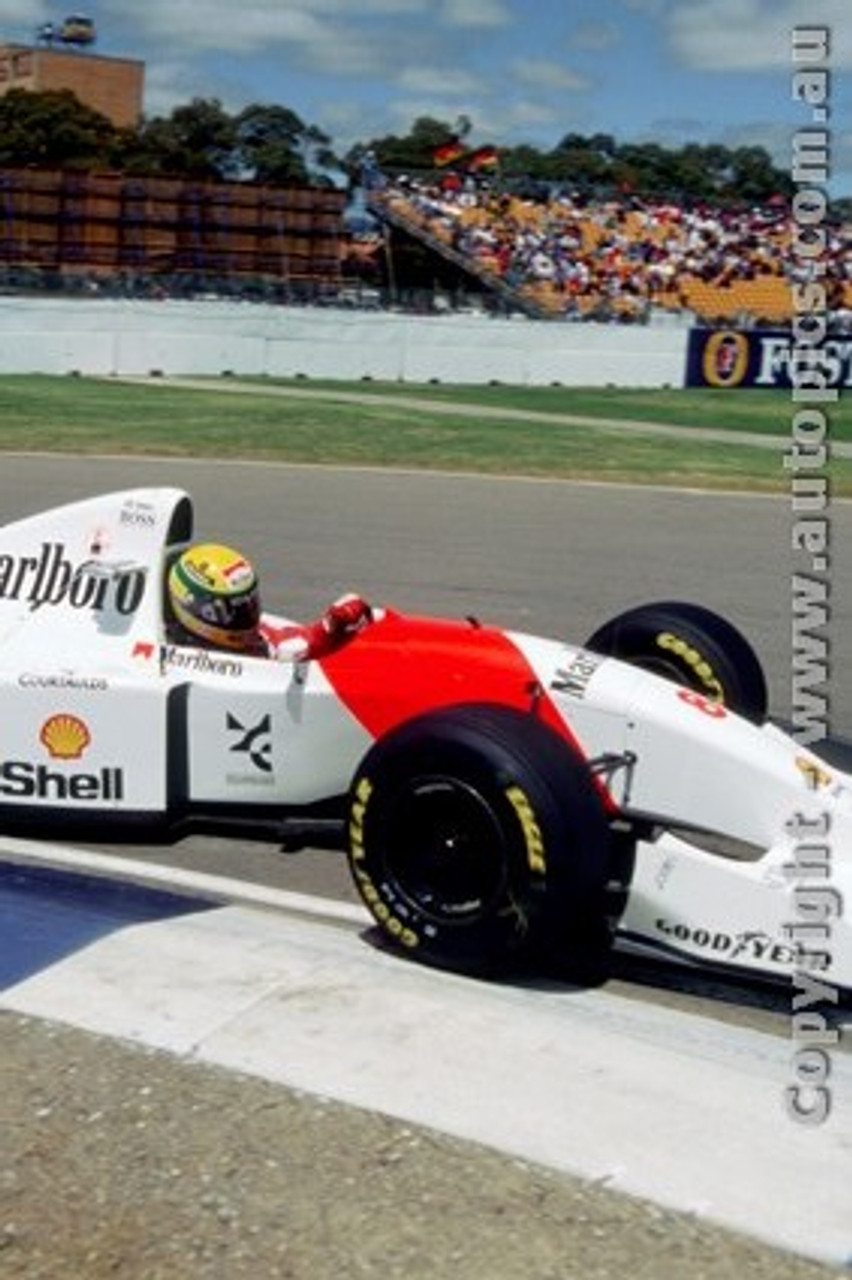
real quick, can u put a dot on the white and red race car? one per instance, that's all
(501, 796)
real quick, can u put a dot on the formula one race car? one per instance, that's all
(501, 796)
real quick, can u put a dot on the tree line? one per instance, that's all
(273, 145)
(199, 140)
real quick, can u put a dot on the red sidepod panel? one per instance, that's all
(402, 666)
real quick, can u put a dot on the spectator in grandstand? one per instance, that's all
(627, 253)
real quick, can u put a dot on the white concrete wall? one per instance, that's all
(95, 336)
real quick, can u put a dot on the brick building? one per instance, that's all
(113, 86)
(112, 224)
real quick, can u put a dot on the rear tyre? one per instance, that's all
(477, 839)
(692, 646)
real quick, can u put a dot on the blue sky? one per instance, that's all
(670, 71)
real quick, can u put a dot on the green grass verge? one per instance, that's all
(765, 411)
(92, 416)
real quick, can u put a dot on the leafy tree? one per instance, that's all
(319, 154)
(412, 152)
(268, 141)
(198, 140)
(754, 177)
(524, 165)
(275, 146)
(271, 144)
(584, 163)
(54, 130)
(603, 144)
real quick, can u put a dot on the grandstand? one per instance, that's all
(564, 258)
(614, 259)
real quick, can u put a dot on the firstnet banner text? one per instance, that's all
(759, 358)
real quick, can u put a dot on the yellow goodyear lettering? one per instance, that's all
(697, 663)
(366, 888)
(363, 791)
(381, 912)
(402, 932)
(533, 838)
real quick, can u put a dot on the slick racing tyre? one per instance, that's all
(692, 646)
(477, 838)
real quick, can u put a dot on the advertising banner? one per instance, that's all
(762, 358)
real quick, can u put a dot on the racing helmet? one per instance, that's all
(214, 595)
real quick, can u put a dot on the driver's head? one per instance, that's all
(214, 595)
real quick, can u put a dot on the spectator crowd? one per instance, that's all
(576, 257)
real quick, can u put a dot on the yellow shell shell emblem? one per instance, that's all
(65, 736)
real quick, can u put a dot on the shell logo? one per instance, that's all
(65, 736)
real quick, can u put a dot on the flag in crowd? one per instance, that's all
(448, 152)
(475, 161)
(482, 158)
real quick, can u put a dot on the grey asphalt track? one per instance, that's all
(550, 557)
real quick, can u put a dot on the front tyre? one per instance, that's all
(477, 837)
(692, 646)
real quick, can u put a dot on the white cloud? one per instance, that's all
(595, 36)
(476, 13)
(347, 54)
(322, 37)
(650, 7)
(350, 120)
(753, 35)
(439, 82)
(517, 118)
(516, 121)
(419, 60)
(544, 74)
(211, 24)
(368, 7)
(345, 38)
(20, 18)
(173, 82)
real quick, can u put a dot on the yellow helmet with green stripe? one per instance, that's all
(213, 591)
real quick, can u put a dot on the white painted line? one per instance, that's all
(199, 883)
(652, 1101)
